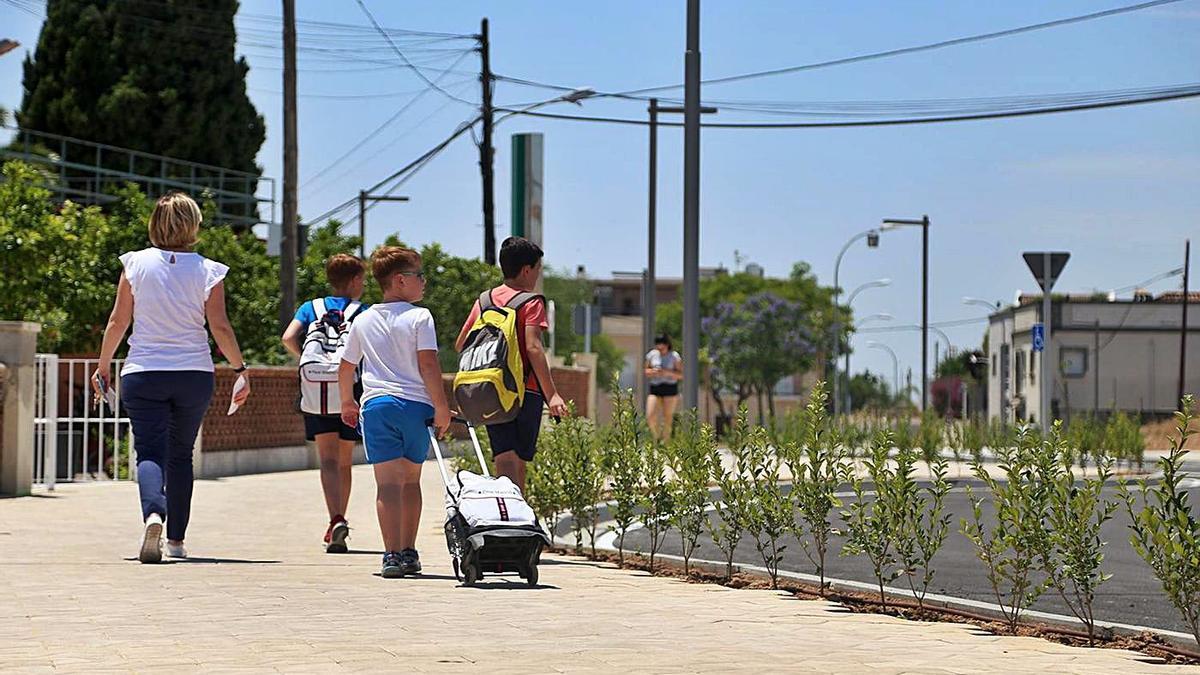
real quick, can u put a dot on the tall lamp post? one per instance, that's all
(882, 316)
(923, 223)
(691, 210)
(878, 283)
(895, 364)
(872, 237)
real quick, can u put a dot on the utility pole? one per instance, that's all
(1183, 326)
(691, 210)
(363, 198)
(1096, 369)
(290, 229)
(649, 280)
(924, 312)
(486, 152)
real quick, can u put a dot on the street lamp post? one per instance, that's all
(895, 364)
(691, 210)
(882, 316)
(872, 237)
(923, 223)
(649, 284)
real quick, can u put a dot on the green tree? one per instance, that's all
(161, 77)
(868, 390)
(567, 291)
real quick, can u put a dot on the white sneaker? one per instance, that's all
(151, 546)
(176, 550)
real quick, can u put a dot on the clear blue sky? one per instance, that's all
(1116, 187)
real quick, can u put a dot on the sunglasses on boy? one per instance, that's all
(420, 274)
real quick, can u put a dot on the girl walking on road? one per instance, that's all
(167, 292)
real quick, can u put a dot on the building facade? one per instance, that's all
(1107, 356)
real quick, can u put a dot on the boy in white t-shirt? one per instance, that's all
(402, 389)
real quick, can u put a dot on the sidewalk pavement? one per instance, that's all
(260, 595)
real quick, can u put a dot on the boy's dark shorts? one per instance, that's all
(315, 425)
(519, 435)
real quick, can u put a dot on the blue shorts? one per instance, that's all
(393, 428)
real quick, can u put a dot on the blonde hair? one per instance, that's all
(175, 223)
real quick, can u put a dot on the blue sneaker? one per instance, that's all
(410, 561)
(393, 568)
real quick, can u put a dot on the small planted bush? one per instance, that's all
(623, 442)
(657, 499)
(769, 517)
(582, 475)
(692, 449)
(1123, 438)
(733, 511)
(931, 435)
(1010, 546)
(1075, 514)
(919, 522)
(1165, 531)
(818, 466)
(870, 522)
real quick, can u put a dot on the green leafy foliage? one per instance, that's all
(1165, 532)
(736, 483)
(692, 449)
(770, 516)
(581, 475)
(869, 523)
(919, 522)
(133, 74)
(817, 462)
(1011, 548)
(1076, 514)
(657, 499)
(623, 442)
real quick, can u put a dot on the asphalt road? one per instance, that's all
(1132, 596)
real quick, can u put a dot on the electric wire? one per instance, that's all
(404, 58)
(386, 123)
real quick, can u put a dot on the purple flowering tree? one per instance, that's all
(754, 344)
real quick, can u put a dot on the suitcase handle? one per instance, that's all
(453, 420)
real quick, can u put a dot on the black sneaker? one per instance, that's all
(410, 561)
(393, 565)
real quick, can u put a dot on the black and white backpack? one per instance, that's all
(321, 356)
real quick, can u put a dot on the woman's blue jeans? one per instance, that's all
(166, 408)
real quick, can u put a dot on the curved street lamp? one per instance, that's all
(873, 344)
(878, 283)
(872, 237)
(881, 316)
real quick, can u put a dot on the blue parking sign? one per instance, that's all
(1039, 337)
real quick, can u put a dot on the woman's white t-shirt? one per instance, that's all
(668, 361)
(169, 292)
(386, 339)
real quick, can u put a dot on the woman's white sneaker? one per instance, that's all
(176, 550)
(151, 547)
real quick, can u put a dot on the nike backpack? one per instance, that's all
(490, 385)
(321, 357)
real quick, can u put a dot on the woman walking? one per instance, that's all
(664, 370)
(167, 291)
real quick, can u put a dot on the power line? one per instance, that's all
(933, 324)
(914, 49)
(356, 97)
(404, 58)
(378, 130)
(1190, 91)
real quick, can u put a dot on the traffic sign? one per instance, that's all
(1039, 337)
(1036, 261)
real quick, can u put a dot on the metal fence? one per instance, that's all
(74, 438)
(88, 172)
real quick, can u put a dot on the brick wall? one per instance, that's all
(269, 419)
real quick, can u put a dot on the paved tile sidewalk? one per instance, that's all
(261, 596)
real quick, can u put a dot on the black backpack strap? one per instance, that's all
(517, 301)
(485, 300)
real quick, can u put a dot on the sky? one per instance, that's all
(1116, 188)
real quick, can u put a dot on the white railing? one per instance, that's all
(74, 438)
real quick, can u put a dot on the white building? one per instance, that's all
(1110, 355)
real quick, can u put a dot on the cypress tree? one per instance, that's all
(160, 76)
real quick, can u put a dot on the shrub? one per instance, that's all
(1123, 438)
(1165, 532)
(931, 436)
(737, 493)
(818, 466)
(623, 441)
(869, 523)
(692, 448)
(919, 523)
(657, 499)
(1074, 519)
(769, 516)
(1010, 547)
(581, 476)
